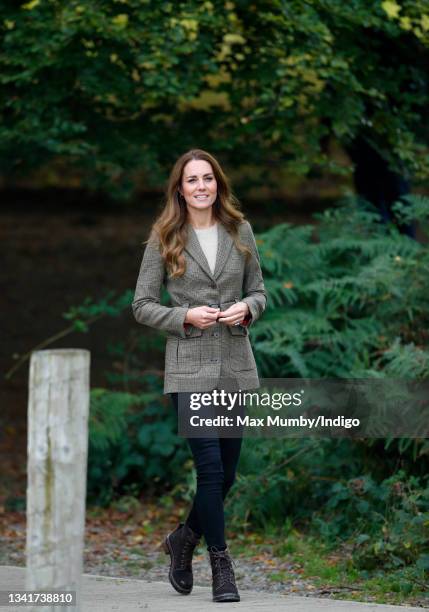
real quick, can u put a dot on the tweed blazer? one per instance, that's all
(203, 359)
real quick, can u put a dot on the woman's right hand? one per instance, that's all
(202, 316)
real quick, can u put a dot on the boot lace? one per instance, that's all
(223, 566)
(186, 555)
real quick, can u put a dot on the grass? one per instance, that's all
(285, 554)
(330, 569)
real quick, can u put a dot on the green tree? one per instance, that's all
(112, 87)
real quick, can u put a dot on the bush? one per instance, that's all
(133, 446)
(323, 486)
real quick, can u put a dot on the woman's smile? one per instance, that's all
(199, 184)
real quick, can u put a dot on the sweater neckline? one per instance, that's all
(206, 229)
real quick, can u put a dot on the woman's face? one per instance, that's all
(199, 186)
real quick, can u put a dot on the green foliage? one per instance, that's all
(389, 521)
(296, 477)
(133, 445)
(348, 302)
(84, 314)
(323, 485)
(264, 466)
(107, 417)
(108, 88)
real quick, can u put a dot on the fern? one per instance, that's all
(108, 416)
(349, 304)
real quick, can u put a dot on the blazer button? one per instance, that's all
(215, 334)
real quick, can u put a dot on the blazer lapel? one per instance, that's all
(194, 249)
(224, 244)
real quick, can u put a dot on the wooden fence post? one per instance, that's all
(58, 407)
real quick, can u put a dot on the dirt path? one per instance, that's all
(128, 544)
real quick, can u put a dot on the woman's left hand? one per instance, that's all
(234, 314)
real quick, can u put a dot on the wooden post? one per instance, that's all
(58, 407)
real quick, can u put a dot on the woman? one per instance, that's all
(205, 253)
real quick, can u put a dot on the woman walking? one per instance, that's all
(204, 251)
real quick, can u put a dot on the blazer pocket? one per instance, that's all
(193, 332)
(238, 330)
(183, 355)
(240, 352)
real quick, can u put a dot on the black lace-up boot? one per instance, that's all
(180, 545)
(224, 587)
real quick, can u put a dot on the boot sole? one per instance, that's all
(177, 587)
(227, 597)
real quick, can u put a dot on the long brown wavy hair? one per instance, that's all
(170, 228)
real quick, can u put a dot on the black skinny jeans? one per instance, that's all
(216, 462)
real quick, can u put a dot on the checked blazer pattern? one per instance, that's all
(196, 359)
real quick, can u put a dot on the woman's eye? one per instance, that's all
(208, 178)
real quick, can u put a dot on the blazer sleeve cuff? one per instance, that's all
(254, 310)
(179, 321)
